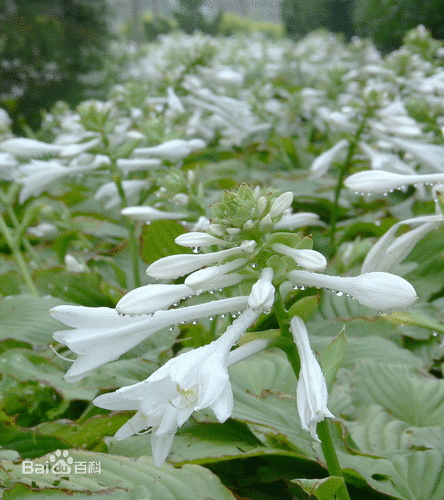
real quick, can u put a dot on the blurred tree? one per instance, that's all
(386, 22)
(190, 18)
(45, 45)
(301, 17)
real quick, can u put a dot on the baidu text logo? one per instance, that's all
(61, 463)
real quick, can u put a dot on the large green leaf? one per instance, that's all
(26, 318)
(264, 388)
(157, 240)
(138, 478)
(409, 396)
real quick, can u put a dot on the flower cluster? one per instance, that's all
(250, 255)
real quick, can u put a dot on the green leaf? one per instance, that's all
(264, 388)
(322, 489)
(87, 289)
(157, 240)
(138, 478)
(333, 357)
(199, 443)
(27, 319)
(408, 396)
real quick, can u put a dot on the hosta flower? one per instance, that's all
(324, 161)
(192, 381)
(390, 250)
(131, 164)
(311, 394)
(173, 150)
(376, 181)
(110, 193)
(430, 155)
(378, 290)
(174, 266)
(100, 335)
(149, 214)
(309, 259)
(25, 148)
(385, 161)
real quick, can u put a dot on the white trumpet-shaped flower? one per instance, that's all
(174, 266)
(110, 193)
(292, 221)
(149, 214)
(311, 394)
(378, 290)
(151, 298)
(308, 259)
(376, 181)
(261, 297)
(25, 148)
(100, 335)
(192, 381)
(390, 250)
(281, 203)
(132, 164)
(214, 277)
(173, 150)
(324, 161)
(198, 239)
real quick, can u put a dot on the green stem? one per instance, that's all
(331, 458)
(15, 249)
(132, 237)
(285, 342)
(343, 172)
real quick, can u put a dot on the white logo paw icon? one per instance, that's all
(61, 466)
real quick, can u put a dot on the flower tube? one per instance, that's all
(378, 290)
(100, 335)
(312, 393)
(380, 181)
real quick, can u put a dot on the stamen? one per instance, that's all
(59, 355)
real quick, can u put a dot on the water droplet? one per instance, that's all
(194, 322)
(223, 315)
(302, 288)
(211, 318)
(196, 249)
(171, 328)
(339, 294)
(254, 266)
(435, 334)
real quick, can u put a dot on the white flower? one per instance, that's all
(390, 250)
(430, 155)
(324, 161)
(197, 239)
(148, 214)
(281, 203)
(192, 381)
(385, 161)
(82, 147)
(8, 166)
(25, 148)
(174, 266)
(100, 335)
(379, 181)
(378, 290)
(215, 277)
(73, 265)
(151, 298)
(173, 150)
(131, 164)
(261, 297)
(109, 191)
(311, 389)
(308, 259)
(292, 221)
(37, 175)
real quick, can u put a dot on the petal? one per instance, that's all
(151, 298)
(160, 446)
(309, 259)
